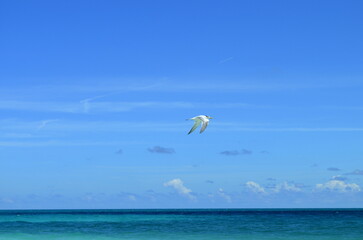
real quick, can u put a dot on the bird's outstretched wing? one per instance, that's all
(204, 126)
(196, 124)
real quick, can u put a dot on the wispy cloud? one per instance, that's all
(111, 86)
(17, 136)
(94, 126)
(120, 151)
(230, 153)
(87, 101)
(209, 181)
(178, 185)
(131, 197)
(236, 152)
(334, 169)
(286, 187)
(7, 200)
(44, 106)
(255, 187)
(353, 108)
(128, 197)
(45, 123)
(163, 150)
(231, 86)
(90, 105)
(246, 152)
(96, 87)
(272, 129)
(275, 188)
(338, 186)
(224, 195)
(339, 178)
(355, 172)
(21, 127)
(225, 60)
(48, 143)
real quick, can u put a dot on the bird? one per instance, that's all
(198, 120)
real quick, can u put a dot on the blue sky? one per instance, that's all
(94, 97)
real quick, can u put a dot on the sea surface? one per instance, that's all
(208, 224)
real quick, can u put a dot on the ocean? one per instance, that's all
(208, 224)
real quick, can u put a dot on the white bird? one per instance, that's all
(198, 120)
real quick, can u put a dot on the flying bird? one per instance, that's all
(200, 120)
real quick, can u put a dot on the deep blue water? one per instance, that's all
(248, 224)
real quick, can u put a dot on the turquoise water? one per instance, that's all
(276, 224)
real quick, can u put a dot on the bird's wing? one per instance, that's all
(204, 126)
(196, 124)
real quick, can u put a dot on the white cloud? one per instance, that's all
(225, 60)
(6, 200)
(16, 126)
(318, 129)
(131, 197)
(286, 187)
(66, 107)
(255, 187)
(338, 177)
(94, 105)
(45, 122)
(178, 185)
(91, 105)
(115, 86)
(338, 186)
(222, 194)
(60, 143)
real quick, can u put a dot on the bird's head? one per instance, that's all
(208, 117)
